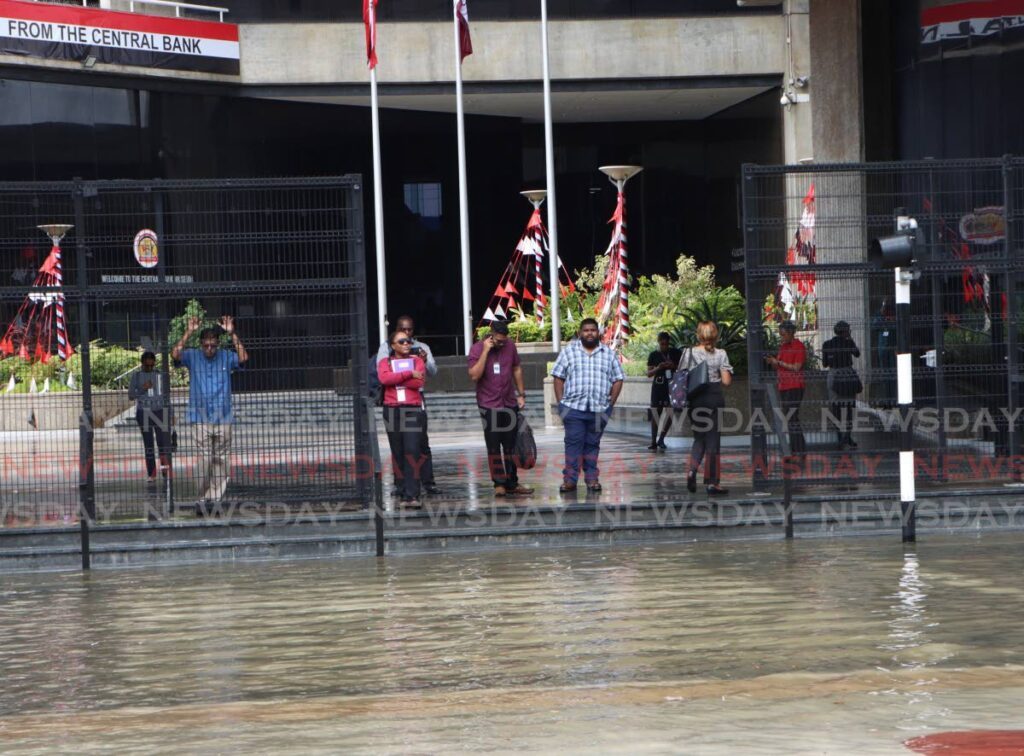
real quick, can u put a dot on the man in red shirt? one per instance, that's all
(789, 367)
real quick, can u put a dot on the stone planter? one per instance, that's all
(58, 411)
(534, 347)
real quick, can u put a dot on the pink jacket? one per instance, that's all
(392, 380)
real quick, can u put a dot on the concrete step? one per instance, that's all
(453, 526)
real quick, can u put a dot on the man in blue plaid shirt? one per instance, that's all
(588, 379)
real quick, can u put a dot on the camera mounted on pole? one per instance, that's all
(898, 250)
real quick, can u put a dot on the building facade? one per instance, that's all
(690, 89)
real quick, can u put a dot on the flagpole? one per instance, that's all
(378, 213)
(467, 304)
(549, 149)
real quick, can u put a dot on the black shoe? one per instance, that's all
(432, 490)
(661, 444)
(691, 482)
(653, 447)
(594, 487)
(851, 442)
(567, 487)
(717, 490)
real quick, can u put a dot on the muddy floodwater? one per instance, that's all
(816, 646)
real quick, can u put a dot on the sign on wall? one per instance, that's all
(62, 32)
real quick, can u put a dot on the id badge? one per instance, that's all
(497, 368)
(668, 375)
(400, 393)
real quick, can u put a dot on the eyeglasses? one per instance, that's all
(402, 341)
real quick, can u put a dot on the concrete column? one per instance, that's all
(836, 83)
(797, 124)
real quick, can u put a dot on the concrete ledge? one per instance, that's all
(677, 519)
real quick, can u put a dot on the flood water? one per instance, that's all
(838, 646)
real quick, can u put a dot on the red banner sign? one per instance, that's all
(61, 32)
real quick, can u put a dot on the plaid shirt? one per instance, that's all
(588, 376)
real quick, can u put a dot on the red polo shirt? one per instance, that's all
(793, 353)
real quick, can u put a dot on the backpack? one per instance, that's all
(374, 388)
(525, 454)
(687, 383)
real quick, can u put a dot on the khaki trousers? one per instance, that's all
(214, 443)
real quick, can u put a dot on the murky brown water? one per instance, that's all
(848, 646)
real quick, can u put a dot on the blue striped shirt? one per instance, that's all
(588, 376)
(209, 389)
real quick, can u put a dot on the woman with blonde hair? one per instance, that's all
(706, 409)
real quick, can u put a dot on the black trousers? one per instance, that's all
(791, 400)
(154, 422)
(406, 428)
(500, 427)
(706, 421)
(427, 471)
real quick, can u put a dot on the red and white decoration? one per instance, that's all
(613, 306)
(522, 280)
(796, 291)
(39, 328)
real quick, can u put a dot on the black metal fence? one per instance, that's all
(282, 258)
(807, 229)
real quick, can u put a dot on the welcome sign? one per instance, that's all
(61, 32)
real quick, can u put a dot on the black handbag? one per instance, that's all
(697, 379)
(526, 446)
(847, 383)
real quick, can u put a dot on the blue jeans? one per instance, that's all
(583, 431)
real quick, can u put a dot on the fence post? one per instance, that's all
(1012, 317)
(755, 343)
(86, 473)
(938, 333)
(165, 363)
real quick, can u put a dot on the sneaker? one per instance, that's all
(520, 491)
(500, 491)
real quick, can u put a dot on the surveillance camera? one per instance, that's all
(801, 81)
(784, 101)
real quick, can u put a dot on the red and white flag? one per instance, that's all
(370, 20)
(465, 41)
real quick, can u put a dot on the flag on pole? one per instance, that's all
(370, 20)
(465, 41)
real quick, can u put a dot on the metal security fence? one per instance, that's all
(807, 229)
(274, 266)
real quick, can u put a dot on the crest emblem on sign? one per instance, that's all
(146, 250)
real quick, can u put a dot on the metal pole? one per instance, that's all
(165, 365)
(467, 297)
(549, 151)
(86, 478)
(1011, 322)
(905, 399)
(378, 211)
